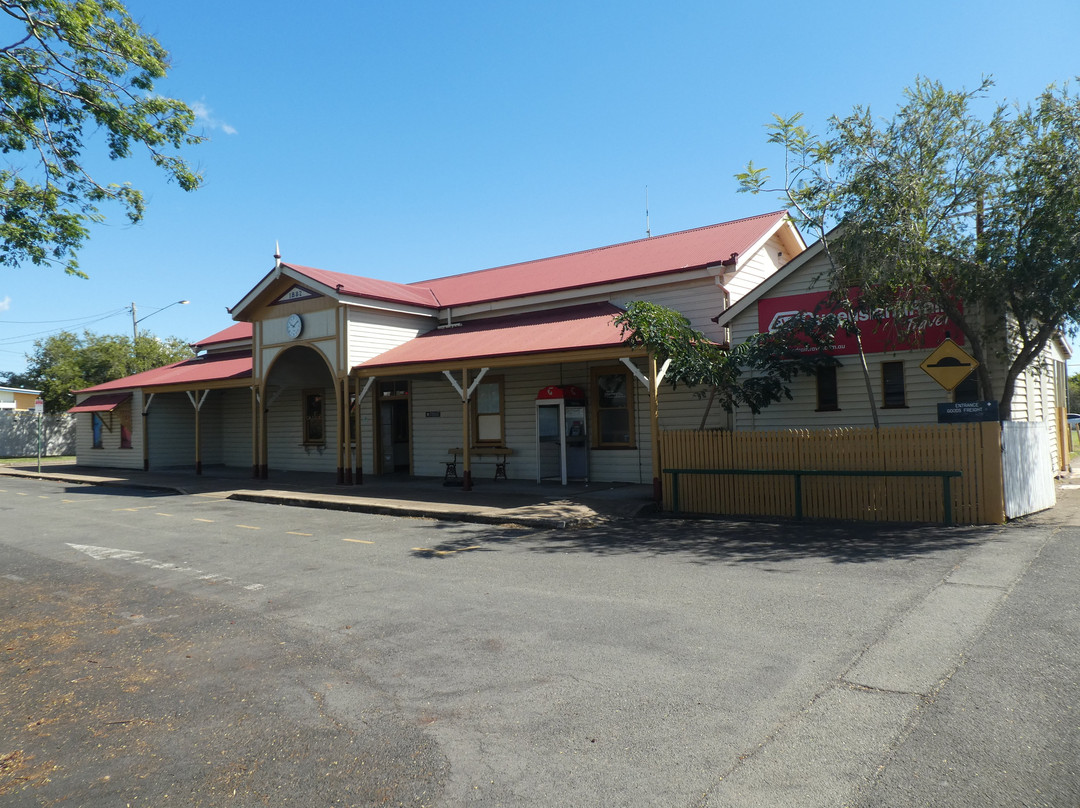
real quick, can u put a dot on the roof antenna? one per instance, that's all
(648, 230)
(277, 255)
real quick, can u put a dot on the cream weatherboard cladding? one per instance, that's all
(1034, 397)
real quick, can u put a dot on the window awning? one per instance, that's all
(104, 402)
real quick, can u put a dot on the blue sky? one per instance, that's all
(411, 140)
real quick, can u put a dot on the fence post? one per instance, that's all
(992, 487)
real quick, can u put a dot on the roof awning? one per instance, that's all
(105, 402)
(571, 334)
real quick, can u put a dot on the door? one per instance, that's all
(393, 436)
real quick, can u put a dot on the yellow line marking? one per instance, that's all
(143, 508)
(69, 500)
(197, 519)
(249, 527)
(359, 541)
(21, 494)
(162, 514)
(42, 496)
(295, 533)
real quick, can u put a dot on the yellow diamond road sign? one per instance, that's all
(949, 364)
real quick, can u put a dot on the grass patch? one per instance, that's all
(22, 461)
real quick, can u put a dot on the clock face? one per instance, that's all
(294, 325)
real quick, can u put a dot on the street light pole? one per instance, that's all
(135, 320)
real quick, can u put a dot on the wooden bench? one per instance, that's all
(500, 453)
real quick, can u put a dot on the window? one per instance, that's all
(827, 398)
(613, 392)
(98, 427)
(892, 385)
(124, 413)
(314, 418)
(967, 390)
(488, 412)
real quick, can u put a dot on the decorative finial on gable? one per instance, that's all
(277, 255)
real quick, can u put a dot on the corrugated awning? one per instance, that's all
(104, 402)
(512, 340)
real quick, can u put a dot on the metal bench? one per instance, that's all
(500, 453)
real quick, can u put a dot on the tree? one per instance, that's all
(66, 362)
(773, 359)
(79, 64)
(940, 208)
(1074, 392)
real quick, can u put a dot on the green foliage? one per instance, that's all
(1074, 393)
(78, 65)
(753, 374)
(65, 362)
(976, 215)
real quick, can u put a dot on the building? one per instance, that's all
(18, 399)
(903, 393)
(518, 368)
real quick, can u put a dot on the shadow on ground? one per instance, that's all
(708, 540)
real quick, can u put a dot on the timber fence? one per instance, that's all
(891, 474)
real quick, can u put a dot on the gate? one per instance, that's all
(1026, 467)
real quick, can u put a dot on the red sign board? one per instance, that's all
(877, 329)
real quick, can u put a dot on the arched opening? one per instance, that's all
(300, 411)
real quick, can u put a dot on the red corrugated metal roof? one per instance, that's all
(674, 252)
(106, 402)
(209, 368)
(234, 333)
(566, 329)
(373, 288)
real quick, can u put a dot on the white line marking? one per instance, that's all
(137, 557)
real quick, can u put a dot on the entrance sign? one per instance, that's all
(963, 412)
(949, 364)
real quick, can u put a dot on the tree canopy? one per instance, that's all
(78, 71)
(754, 374)
(66, 362)
(942, 207)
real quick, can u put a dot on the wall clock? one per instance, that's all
(294, 325)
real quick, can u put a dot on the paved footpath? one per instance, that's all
(972, 698)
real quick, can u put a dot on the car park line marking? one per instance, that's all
(297, 533)
(42, 496)
(249, 527)
(210, 521)
(359, 541)
(140, 508)
(137, 557)
(159, 513)
(69, 500)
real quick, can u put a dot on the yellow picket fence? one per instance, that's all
(974, 450)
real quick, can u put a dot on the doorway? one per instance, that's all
(394, 450)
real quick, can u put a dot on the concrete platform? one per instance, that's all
(510, 502)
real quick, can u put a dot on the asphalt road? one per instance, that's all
(194, 651)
